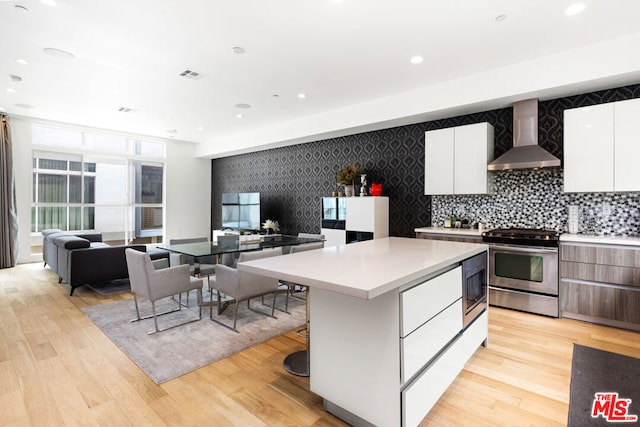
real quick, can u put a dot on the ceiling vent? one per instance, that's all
(127, 110)
(191, 75)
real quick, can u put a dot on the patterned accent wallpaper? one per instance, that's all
(292, 180)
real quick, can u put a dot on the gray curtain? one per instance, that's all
(8, 209)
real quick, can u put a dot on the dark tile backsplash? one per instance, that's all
(292, 180)
(534, 199)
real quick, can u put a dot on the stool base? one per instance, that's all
(297, 363)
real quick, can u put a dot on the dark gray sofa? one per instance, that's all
(82, 259)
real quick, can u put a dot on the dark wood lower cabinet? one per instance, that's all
(600, 284)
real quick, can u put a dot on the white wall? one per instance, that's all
(187, 189)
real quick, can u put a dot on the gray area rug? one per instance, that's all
(596, 371)
(174, 352)
(111, 287)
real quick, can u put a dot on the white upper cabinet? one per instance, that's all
(438, 161)
(601, 145)
(627, 145)
(473, 151)
(456, 159)
(588, 149)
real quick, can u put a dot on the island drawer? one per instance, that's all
(423, 301)
(420, 396)
(419, 347)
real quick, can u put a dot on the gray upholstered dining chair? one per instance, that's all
(231, 240)
(155, 284)
(206, 264)
(242, 285)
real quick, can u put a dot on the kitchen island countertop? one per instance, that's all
(365, 269)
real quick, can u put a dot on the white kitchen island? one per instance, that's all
(385, 323)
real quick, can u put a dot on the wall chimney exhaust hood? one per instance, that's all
(525, 153)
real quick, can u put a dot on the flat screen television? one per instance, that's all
(241, 210)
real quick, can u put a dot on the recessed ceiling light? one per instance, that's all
(237, 50)
(416, 59)
(127, 110)
(500, 18)
(11, 90)
(58, 53)
(200, 128)
(21, 7)
(239, 116)
(22, 61)
(49, 2)
(275, 95)
(302, 95)
(25, 106)
(575, 9)
(243, 106)
(15, 78)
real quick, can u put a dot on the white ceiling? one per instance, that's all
(129, 53)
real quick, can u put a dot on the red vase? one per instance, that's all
(375, 189)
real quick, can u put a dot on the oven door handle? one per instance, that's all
(527, 249)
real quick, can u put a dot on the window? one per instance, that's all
(108, 183)
(62, 192)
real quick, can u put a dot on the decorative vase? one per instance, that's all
(375, 189)
(349, 190)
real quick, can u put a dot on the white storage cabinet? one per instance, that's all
(369, 214)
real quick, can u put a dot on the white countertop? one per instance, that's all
(365, 269)
(442, 230)
(603, 240)
(564, 237)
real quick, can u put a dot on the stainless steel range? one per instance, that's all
(523, 269)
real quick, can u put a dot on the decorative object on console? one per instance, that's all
(271, 226)
(347, 176)
(363, 185)
(375, 189)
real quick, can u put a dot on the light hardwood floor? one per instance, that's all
(57, 368)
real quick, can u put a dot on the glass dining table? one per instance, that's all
(215, 248)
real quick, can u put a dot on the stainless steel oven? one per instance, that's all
(523, 270)
(527, 268)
